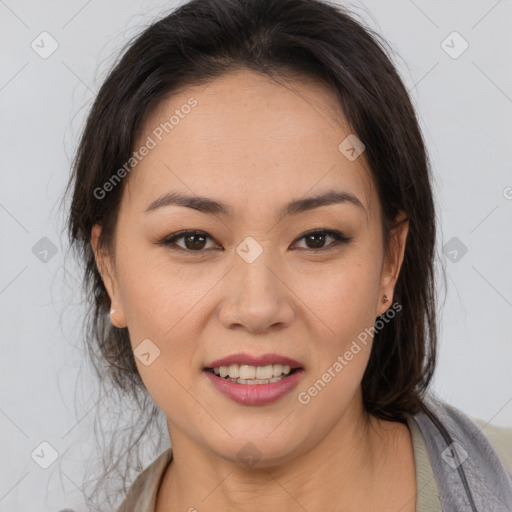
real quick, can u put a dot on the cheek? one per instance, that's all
(165, 304)
(158, 295)
(340, 305)
(341, 296)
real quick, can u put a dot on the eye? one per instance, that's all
(195, 241)
(317, 239)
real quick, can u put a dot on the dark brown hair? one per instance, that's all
(315, 39)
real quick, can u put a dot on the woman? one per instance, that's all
(252, 200)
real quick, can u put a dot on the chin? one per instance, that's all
(258, 449)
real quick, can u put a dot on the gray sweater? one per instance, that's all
(469, 475)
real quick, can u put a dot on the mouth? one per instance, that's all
(254, 379)
(254, 385)
(253, 375)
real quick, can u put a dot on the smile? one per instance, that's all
(254, 391)
(248, 374)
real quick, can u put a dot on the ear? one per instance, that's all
(393, 261)
(105, 268)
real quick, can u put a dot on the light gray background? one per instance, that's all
(464, 105)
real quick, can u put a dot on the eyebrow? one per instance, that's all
(211, 206)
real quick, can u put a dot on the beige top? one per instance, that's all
(143, 492)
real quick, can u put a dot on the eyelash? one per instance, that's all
(169, 241)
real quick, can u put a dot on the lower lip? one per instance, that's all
(255, 394)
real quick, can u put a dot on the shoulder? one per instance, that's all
(500, 439)
(483, 437)
(142, 494)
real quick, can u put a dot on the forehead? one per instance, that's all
(246, 137)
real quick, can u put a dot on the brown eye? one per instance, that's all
(316, 239)
(193, 241)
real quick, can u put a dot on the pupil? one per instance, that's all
(191, 237)
(319, 235)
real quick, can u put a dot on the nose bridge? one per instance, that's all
(255, 268)
(256, 296)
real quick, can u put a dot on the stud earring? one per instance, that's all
(385, 298)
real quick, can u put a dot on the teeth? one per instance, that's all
(256, 381)
(265, 372)
(234, 371)
(246, 374)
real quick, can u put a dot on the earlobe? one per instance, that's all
(115, 320)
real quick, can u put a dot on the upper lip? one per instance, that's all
(252, 360)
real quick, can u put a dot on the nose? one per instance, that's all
(256, 297)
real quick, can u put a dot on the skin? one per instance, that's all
(256, 145)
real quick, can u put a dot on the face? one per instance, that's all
(256, 270)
